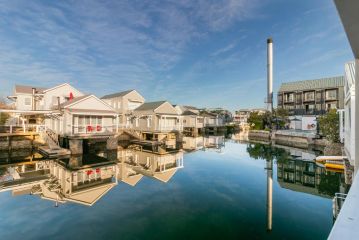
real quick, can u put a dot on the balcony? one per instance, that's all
(169, 128)
(93, 130)
(309, 99)
(331, 98)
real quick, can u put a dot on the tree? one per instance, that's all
(329, 126)
(255, 121)
(3, 116)
(281, 117)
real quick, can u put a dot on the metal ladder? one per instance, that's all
(338, 202)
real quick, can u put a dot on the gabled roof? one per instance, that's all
(118, 94)
(189, 113)
(61, 85)
(74, 100)
(331, 82)
(165, 176)
(148, 106)
(28, 89)
(207, 114)
(133, 179)
(90, 196)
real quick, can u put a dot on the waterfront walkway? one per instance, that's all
(347, 224)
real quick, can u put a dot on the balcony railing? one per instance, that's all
(170, 128)
(93, 129)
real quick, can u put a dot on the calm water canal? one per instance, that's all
(212, 193)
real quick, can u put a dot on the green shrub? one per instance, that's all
(329, 126)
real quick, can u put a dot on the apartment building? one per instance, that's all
(312, 97)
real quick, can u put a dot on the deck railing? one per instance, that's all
(93, 129)
(22, 128)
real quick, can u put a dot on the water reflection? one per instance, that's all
(134, 164)
(205, 143)
(84, 179)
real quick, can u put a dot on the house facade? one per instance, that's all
(156, 117)
(312, 97)
(85, 115)
(63, 109)
(192, 122)
(124, 102)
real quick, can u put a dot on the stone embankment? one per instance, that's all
(298, 139)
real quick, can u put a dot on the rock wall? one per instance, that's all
(259, 135)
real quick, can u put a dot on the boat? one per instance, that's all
(332, 162)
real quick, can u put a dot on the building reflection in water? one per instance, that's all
(205, 143)
(84, 179)
(297, 171)
(306, 176)
(134, 164)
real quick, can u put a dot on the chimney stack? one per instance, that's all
(33, 99)
(58, 103)
(270, 74)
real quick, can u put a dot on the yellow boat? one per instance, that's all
(334, 166)
(332, 162)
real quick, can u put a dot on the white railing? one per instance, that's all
(124, 126)
(93, 129)
(170, 128)
(15, 128)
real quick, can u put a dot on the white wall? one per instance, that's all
(20, 101)
(50, 97)
(309, 123)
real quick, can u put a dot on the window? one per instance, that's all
(289, 97)
(133, 105)
(27, 101)
(331, 94)
(309, 96)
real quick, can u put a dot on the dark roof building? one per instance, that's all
(312, 97)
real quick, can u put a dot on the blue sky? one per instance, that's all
(208, 53)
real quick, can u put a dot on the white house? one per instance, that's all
(191, 119)
(63, 109)
(347, 117)
(124, 102)
(212, 119)
(83, 115)
(32, 98)
(158, 116)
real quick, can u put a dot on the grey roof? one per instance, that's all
(189, 113)
(148, 106)
(207, 114)
(76, 99)
(28, 89)
(118, 94)
(331, 82)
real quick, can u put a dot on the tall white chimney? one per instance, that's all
(269, 74)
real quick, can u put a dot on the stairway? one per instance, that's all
(51, 138)
(132, 133)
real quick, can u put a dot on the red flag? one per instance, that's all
(71, 96)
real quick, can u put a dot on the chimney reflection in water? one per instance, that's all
(269, 193)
